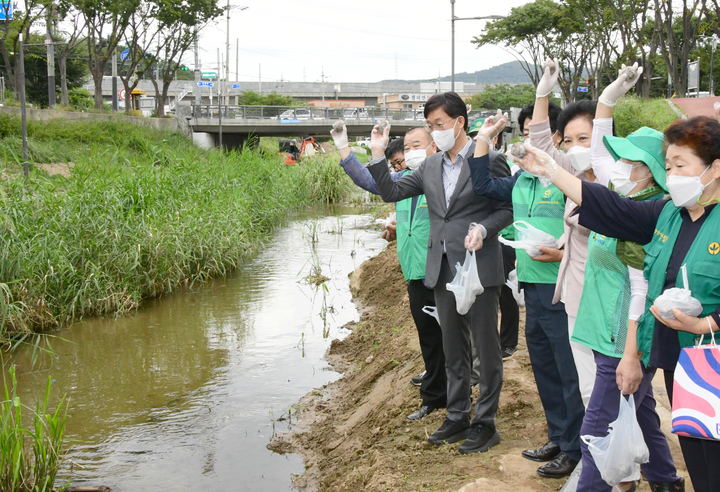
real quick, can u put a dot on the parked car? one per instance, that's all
(415, 114)
(356, 114)
(363, 142)
(298, 114)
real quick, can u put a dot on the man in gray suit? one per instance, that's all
(444, 178)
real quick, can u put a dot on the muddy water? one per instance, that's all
(187, 392)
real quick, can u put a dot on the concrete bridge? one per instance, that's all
(237, 124)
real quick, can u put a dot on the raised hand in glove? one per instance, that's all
(339, 134)
(491, 128)
(551, 71)
(627, 78)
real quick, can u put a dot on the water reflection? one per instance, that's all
(186, 392)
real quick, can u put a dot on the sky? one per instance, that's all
(358, 41)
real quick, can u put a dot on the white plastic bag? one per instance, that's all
(466, 284)
(518, 293)
(678, 298)
(618, 454)
(386, 222)
(530, 239)
(432, 311)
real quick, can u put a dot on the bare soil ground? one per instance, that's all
(354, 434)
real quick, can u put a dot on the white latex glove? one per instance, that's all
(551, 71)
(627, 78)
(339, 134)
(474, 238)
(536, 162)
(491, 127)
(379, 139)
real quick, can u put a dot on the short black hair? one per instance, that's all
(449, 102)
(527, 112)
(578, 109)
(395, 146)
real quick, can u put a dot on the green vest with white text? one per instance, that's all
(703, 268)
(542, 208)
(413, 231)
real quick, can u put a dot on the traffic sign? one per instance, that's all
(6, 11)
(205, 84)
(236, 86)
(124, 55)
(122, 94)
(582, 89)
(209, 75)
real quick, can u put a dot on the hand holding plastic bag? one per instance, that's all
(386, 222)
(517, 292)
(431, 311)
(474, 238)
(618, 454)
(530, 239)
(678, 298)
(466, 284)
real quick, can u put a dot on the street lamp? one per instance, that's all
(452, 42)
(227, 47)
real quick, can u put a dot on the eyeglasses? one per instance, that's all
(440, 126)
(397, 162)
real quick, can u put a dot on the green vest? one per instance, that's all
(542, 208)
(605, 303)
(703, 267)
(603, 315)
(509, 232)
(412, 236)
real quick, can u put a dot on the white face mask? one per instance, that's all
(686, 190)
(414, 158)
(620, 177)
(445, 139)
(579, 157)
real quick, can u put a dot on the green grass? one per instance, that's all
(142, 214)
(632, 113)
(30, 458)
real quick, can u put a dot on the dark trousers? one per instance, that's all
(546, 332)
(433, 389)
(510, 319)
(702, 456)
(480, 325)
(603, 408)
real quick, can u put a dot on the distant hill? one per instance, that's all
(507, 73)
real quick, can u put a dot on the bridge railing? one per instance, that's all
(302, 113)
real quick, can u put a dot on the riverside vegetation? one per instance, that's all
(141, 214)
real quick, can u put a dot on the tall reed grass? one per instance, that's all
(143, 213)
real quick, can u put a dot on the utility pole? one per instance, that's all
(237, 59)
(23, 107)
(259, 78)
(452, 49)
(50, 57)
(227, 53)
(114, 82)
(322, 85)
(197, 89)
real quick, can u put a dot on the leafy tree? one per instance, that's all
(138, 38)
(36, 81)
(23, 16)
(503, 96)
(251, 98)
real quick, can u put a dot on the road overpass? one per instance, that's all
(240, 123)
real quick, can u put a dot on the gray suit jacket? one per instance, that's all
(450, 224)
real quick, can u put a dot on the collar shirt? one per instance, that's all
(451, 171)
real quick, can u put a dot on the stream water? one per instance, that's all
(186, 393)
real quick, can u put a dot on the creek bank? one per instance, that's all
(354, 434)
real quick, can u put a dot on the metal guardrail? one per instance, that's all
(304, 113)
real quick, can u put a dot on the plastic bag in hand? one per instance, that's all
(530, 239)
(678, 298)
(466, 284)
(386, 222)
(517, 292)
(618, 454)
(431, 311)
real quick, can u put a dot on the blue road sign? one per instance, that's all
(582, 89)
(236, 86)
(124, 55)
(290, 121)
(6, 10)
(205, 84)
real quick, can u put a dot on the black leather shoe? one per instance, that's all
(508, 352)
(424, 410)
(678, 486)
(546, 453)
(417, 380)
(561, 466)
(450, 432)
(480, 439)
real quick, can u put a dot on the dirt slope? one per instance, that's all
(354, 434)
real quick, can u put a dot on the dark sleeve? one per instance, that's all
(358, 173)
(607, 213)
(393, 191)
(486, 185)
(502, 216)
